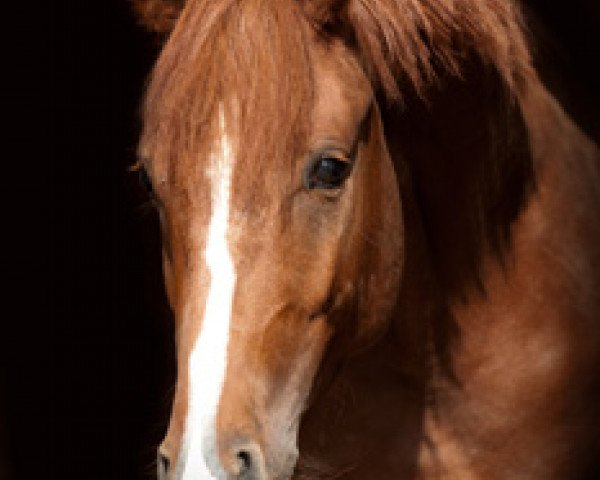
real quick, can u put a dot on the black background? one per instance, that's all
(86, 354)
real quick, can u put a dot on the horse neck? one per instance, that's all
(480, 171)
(451, 333)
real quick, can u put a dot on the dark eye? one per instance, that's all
(145, 181)
(327, 171)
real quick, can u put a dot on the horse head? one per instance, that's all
(281, 222)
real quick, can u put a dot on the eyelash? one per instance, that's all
(327, 171)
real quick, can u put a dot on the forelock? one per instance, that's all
(250, 54)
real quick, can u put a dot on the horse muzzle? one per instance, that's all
(243, 460)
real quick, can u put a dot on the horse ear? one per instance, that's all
(324, 12)
(158, 15)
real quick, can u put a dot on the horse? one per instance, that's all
(381, 243)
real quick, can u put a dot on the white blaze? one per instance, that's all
(209, 355)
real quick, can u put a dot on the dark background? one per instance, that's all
(86, 363)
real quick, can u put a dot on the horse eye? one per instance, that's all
(145, 181)
(327, 172)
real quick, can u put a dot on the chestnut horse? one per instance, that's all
(381, 243)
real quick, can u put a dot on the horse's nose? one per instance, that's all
(245, 461)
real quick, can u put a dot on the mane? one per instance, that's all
(417, 40)
(256, 49)
(445, 58)
(468, 56)
(412, 39)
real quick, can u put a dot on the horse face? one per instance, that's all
(266, 263)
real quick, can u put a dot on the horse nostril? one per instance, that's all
(249, 463)
(163, 466)
(244, 461)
